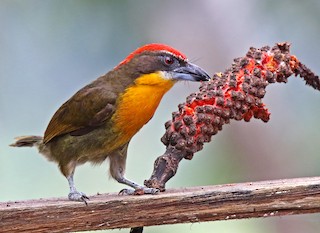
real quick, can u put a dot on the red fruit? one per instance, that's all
(235, 94)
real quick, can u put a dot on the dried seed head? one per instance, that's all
(235, 94)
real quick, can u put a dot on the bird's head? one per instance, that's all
(167, 63)
(148, 73)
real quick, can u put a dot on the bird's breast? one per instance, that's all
(138, 103)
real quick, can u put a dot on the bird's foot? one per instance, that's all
(139, 191)
(78, 196)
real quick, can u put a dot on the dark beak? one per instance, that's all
(190, 72)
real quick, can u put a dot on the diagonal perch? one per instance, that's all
(185, 205)
(235, 94)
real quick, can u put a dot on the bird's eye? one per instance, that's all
(168, 60)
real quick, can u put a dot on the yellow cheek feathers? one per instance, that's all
(138, 103)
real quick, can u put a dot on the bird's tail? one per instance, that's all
(28, 141)
(36, 141)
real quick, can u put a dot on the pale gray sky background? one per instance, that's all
(50, 49)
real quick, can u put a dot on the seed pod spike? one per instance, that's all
(235, 94)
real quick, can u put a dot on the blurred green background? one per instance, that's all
(50, 49)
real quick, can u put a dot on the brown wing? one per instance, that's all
(86, 110)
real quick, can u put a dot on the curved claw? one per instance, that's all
(126, 192)
(139, 191)
(78, 196)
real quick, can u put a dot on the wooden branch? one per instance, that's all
(185, 205)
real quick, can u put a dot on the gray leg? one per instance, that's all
(117, 169)
(68, 172)
(75, 195)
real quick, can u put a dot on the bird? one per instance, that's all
(98, 121)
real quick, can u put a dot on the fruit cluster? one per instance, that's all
(235, 94)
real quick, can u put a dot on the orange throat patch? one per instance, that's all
(138, 104)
